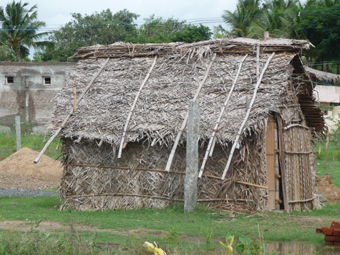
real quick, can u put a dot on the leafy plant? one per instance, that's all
(249, 246)
(208, 236)
(172, 236)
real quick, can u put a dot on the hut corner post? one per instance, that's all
(191, 172)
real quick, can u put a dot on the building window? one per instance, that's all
(47, 80)
(9, 80)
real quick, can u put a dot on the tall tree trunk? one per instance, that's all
(18, 56)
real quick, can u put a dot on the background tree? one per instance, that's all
(19, 29)
(247, 15)
(193, 33)
(321, 26)
(6, 54)
(159, 30)
(107, 28)
(279, 17)
(98, 28)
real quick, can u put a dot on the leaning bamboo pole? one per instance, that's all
(212, 138)
(246, 117)
(133, 107)
(69, 115)
(172, 154)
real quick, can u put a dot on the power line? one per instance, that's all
(187, 21)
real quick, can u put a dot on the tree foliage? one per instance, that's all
(315, 20)
(159, 30)
(107, 28)
(98, 28)
(322, 28)
(193, 33)
(19, 29)
(246, 16)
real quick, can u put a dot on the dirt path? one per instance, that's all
(26, 226)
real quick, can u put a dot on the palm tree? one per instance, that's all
(19, 28)
(247, 15)
(280, 16)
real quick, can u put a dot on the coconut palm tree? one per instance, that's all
(280, 17)
(19, 28)
(247, 14)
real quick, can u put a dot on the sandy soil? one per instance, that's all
(19, 171)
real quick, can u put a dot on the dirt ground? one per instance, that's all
(19, 171)
(331, 192)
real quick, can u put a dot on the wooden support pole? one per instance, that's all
(246, 117)
(282, 163)
(172, 154)
(133, 107)
(69, 115)
(270, 162)
(212, 138)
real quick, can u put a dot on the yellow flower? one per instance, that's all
(154, 248)
(229, 245)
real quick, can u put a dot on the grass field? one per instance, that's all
(171, 228)
(8, 144)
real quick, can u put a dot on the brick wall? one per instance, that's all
(29, 96)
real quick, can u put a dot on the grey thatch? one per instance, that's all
(323, 76)
(95, 179)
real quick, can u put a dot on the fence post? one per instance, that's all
(191, 172)
(18, 132)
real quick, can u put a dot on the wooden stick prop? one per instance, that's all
(133, 107)
(158, 197)
(257, 62)
(247, 116)
(212, 138)
(69, 115)
(75, 98)
(172, 154)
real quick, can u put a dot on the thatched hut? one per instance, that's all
(323, 77)
(273, 163)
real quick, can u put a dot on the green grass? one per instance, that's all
(8, 144)
(328, 162)
(280, 226)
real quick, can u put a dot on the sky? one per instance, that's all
(208, 12)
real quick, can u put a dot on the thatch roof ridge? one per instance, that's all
(323, 76)
(236, 45)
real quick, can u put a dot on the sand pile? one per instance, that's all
(331, 192)
(19, 171)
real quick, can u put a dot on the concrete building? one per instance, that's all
(27, 89)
